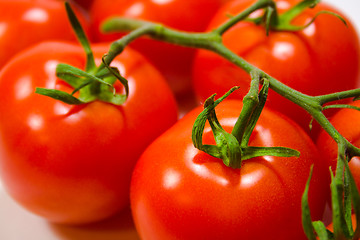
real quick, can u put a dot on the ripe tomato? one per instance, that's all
(192, 195)
(173, 61)
(346, 121)
(24, 23)
(311, 61)
(73, 164)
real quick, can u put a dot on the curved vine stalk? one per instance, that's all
(213, 41)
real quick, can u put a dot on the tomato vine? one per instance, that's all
(232, 148)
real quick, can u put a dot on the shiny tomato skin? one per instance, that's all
(24, 23)
(346, 121)
(178, 192)
(173, 61)
(311, 61)
(73, 164)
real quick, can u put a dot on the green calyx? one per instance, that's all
(93, 83)
(345, 201)
(283, 22)
(233, 147)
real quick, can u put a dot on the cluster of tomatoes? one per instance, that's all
(83, 163)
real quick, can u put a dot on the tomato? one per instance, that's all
(311, 61)
(72, 164)
(173, 61)
(26, 22)
(346, 121)
(179, 192)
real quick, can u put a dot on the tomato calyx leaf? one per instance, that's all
(227, 148)
(283, 22)
(93, 83)
(233, 147)
(345, 201)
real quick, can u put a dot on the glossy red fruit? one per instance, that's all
(73, 164)
(179, 192)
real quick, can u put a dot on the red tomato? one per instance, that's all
(311, 61)
(73, 164)
(173, 61)
(179, 192)
(25, 22)
(346, 121)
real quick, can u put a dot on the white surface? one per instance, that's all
(17, 224)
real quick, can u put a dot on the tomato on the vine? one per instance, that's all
(173, 61)
(346, 121)
(179, 192)
(73, 163)
(24, 23)
(320, 59)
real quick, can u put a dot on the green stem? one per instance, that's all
(213, 41)
(338, 95)
(250, 102)
(234, 20)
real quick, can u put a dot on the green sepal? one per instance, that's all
(81, 36)
(66, 69)
(227, 148)
(305, 210)
(321, 231)
(251, 152)
(116, 73)
(116, 99)
(339, 222)
(296, 10)
(355, 199)
(285, 19)
(199, 125)
(271, 18)
(59, 95)
(287, 26)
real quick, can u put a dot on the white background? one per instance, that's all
(17, 224)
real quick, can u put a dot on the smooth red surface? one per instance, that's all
(24, 23)
(72, 164)
(321, 59)
(178, 192)
(346, 121)
(173, 61)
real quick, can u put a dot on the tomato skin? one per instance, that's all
(192, 195)
(86, 4)
(73, 164)
(346, 121)
(173, 61)
(311, 61)
(37, 21)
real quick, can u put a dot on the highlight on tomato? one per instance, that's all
(24, 23)
(310, 59)
(180, 192)
(71, 161)
(174, 62)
